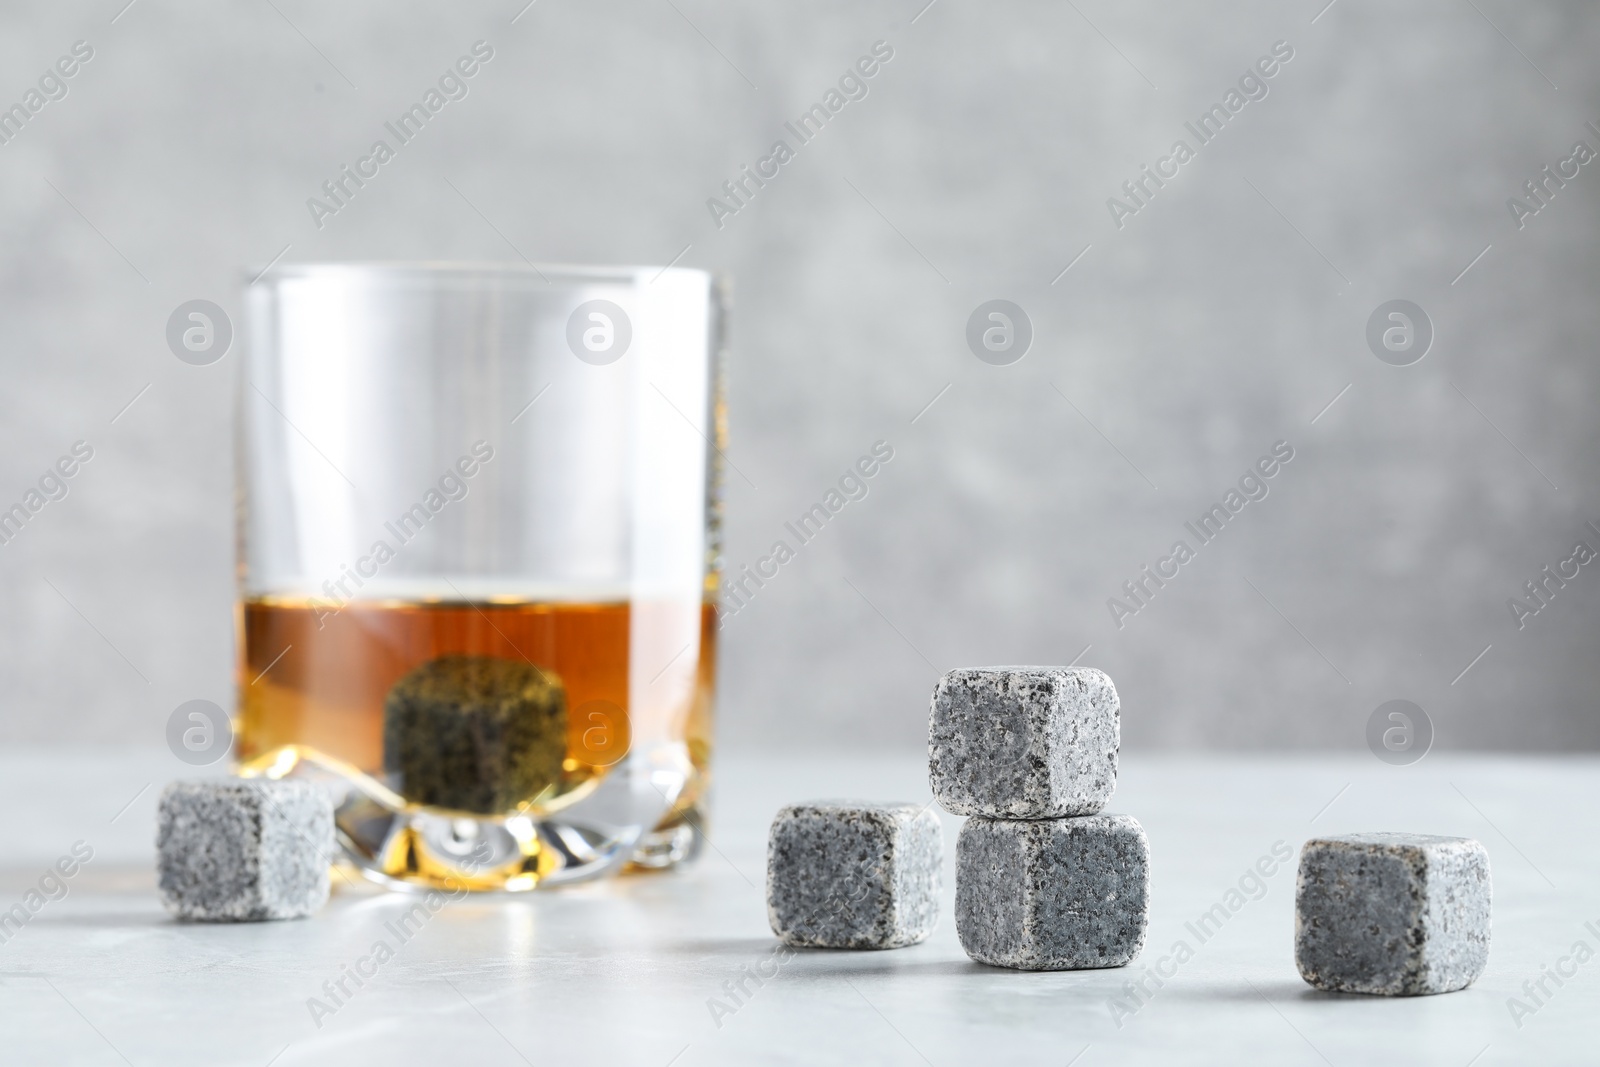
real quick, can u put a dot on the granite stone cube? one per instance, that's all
(479, 734)
(1392, 914)
(1052, 894)
(1024, 742)
(854, 874)
(244, 849)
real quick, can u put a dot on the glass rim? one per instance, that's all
(448, 270)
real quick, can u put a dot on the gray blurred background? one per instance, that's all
(1227, 315)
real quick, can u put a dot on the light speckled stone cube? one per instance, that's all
(244, 849)
(1024, 742)
(1052, 894)
(1392, 914)
(854, 874)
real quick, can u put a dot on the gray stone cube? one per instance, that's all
(475, 733)
(1052, 894)
(1024, 742)
(243, 849)
(854, 874)
(1392, 914)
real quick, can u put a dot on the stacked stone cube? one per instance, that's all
(1044, 879)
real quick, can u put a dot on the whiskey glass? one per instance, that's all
(478, 549)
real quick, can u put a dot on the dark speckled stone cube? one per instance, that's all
(244, 849)
(1392, 914)
(1024, 742)
(1052, 894)
(475, 733)
(854, 874)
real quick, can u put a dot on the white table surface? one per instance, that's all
(621, 972)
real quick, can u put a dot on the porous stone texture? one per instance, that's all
(240, 850)
(1052, 894)
(1392, 914)
(475, 733)
(854, 874)
(1024, 742)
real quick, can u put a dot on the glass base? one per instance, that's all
(629, 818)
(668, 846)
